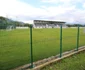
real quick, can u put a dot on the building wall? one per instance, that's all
(22, 27)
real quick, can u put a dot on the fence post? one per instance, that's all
(78, 30)
(31, 47)
(61, 41)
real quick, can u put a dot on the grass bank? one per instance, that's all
(76, 62)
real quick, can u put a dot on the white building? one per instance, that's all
(46, 24)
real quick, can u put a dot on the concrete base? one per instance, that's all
(42, 63)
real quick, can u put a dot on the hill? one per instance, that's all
(6, 22)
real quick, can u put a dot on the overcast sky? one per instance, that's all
(24, 10)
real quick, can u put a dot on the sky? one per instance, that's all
(70, 11)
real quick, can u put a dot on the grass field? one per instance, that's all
(15, 50)
(76, 62)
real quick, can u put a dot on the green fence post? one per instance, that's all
(61, 41)
(31, 48)
(77, 38)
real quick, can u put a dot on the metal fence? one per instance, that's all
(73, 41)
(22, 46)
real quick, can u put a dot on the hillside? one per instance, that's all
(4, 22)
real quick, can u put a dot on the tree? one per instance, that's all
(3, 23)
(26, 24)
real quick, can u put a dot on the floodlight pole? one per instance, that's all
(31, 47)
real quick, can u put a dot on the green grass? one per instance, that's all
(76, 62)
(15, 50)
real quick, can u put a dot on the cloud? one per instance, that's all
(49, 1)
(74, 16)
(67, 11)
(63, 1)
(84, 5)
(70, 14)
(17, 8)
